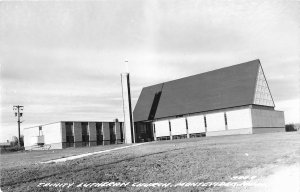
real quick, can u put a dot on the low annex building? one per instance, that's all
(66, 134)
(227, 101)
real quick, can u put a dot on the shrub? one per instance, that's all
(11, 149)
(290, 128)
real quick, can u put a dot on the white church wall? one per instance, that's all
(196, 124)
(162, 128)
(52, 133)
(30, 135)
(239, 119)
(215, 122)
(178, 126)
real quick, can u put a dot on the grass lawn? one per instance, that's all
(211, 159)
(23, 158)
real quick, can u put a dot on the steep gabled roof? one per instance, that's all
(222, 88)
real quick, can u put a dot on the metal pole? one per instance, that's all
(19, 134)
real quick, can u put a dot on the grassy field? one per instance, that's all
(170, 163)
(23, 158)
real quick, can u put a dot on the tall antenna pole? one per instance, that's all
(127, 68)
(19, 114)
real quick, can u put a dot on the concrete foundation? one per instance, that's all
(258, 130)
(230, 132)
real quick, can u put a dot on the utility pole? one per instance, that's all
(19, 113)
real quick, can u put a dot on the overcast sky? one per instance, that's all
(62, 60)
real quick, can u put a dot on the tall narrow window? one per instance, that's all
(121, 132)
(69, 134)
(205, 123)
(112, 132)
(99, 132)
(85, 134)
(225, 118)
(186, 124)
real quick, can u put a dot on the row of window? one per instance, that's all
(86, 134)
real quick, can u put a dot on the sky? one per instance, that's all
(62, 60)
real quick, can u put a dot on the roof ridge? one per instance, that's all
(252, 61)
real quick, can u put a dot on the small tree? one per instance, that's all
(14, 141)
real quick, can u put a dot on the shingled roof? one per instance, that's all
(222, 88)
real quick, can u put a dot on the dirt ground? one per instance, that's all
(283, 174)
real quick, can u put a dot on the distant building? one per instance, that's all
(227, 101)
(66, 134)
